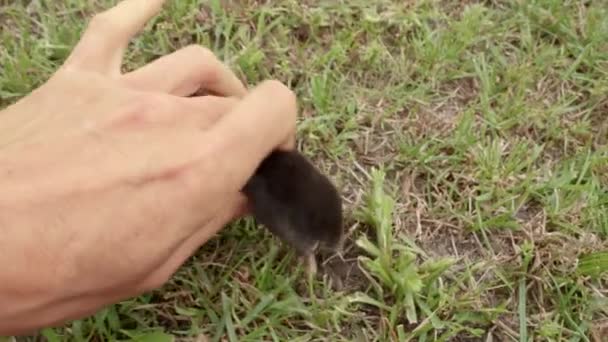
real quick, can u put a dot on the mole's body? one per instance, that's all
(297, 203)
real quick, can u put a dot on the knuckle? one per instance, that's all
(210, 75)
(200, 51)
(140, 110)
(206, 61)
(280, 90)
(154, 102)
(284, 96)
(136, 112)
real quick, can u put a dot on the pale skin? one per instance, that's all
(111, 180)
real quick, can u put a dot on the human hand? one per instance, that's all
(111, 181)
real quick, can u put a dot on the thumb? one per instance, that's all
(264, 120)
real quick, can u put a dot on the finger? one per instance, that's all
(163, 110)
(202, 112)
(264, 120)
(184, 72)
(205, 111)
(103, 43)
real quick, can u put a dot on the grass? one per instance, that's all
(470, 142)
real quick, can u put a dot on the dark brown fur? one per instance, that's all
(297, 203)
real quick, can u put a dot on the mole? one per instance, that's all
(298, 204)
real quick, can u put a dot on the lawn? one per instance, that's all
(468, 138)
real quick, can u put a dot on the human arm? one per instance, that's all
(111, 181)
